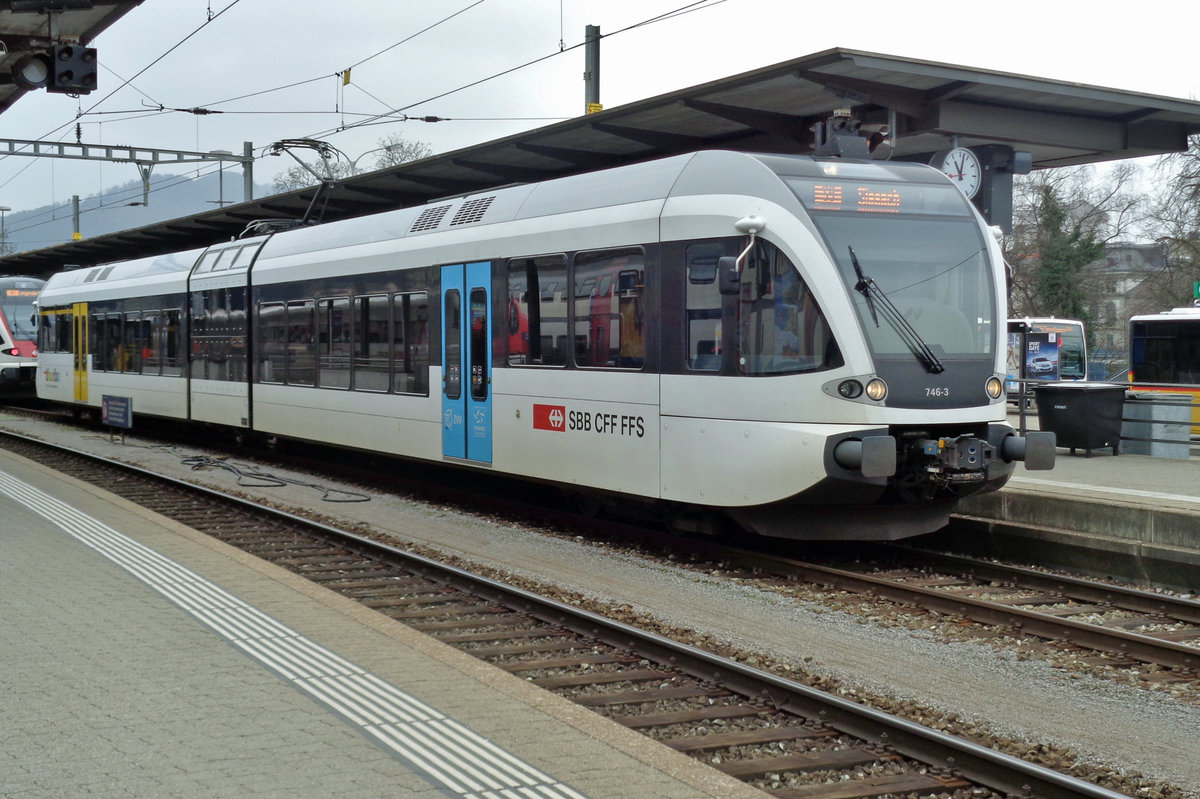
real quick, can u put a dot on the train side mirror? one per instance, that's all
(729, 280)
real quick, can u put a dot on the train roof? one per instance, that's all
(705, 172)
(157, 273)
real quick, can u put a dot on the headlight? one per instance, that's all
(850, 389)
(994, 387)
(876, 389)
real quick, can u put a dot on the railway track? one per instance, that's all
(1121, 626)
(1128, 625)
(786, 738)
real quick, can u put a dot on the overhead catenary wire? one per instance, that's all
(368, 119)
(687, 9)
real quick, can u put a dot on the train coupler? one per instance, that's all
(956, 461)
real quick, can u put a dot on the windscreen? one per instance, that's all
(921, 246)
(19, 312)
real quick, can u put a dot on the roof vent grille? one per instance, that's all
(472, 211)
(429, 218)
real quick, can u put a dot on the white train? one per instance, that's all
(808, 348)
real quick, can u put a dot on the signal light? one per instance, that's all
(32, 71)
(72, 69)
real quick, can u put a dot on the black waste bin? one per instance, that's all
(1083, 416)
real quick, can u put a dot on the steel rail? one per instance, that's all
(1118, 596)
(1140, 647)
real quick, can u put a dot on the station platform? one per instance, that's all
(140, 658)
(1127, 516)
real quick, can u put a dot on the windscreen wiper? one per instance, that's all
(892, 315)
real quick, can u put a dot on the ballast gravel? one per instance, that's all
(1140, 742)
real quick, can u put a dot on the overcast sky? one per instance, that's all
(237, 62)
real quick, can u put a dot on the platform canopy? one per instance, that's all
(926, 105)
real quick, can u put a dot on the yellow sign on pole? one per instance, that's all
(77, 236)
(594, 108)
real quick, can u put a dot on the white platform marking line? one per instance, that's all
(478, 746)
(447, 752)
(1133, 492)
(383, 706)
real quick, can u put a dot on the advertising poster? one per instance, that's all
(1041, 356)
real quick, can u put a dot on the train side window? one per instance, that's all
(609, 324)
(480, 351)
(151, 349)
(301, 343)
(272, 342)
(219, 335)
(55, 333)
(410, 343)
(537, 311)
(370, 345)
(235, 332)
(171, 340)
(452, 338)
(96, 342)
(703, 306)
(217, 314)
(199, 354)
(108, 339)
(133, 343)
(781, 329)
(333, 345)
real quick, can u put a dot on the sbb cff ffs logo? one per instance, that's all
(550, 417)
(558, 419)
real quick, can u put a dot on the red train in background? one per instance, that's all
(18, 333)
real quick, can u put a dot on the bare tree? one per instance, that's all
(1176, 216)
(396, 149)
(392, 150)
(1074, 207)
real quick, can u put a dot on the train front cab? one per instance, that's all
(18, 333)
(907, 415)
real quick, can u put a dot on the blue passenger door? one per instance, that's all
(467, 362)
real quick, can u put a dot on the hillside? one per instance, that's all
(171, 197)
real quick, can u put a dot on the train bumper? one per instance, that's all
(959, 462)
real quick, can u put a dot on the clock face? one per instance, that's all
(962, 166)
